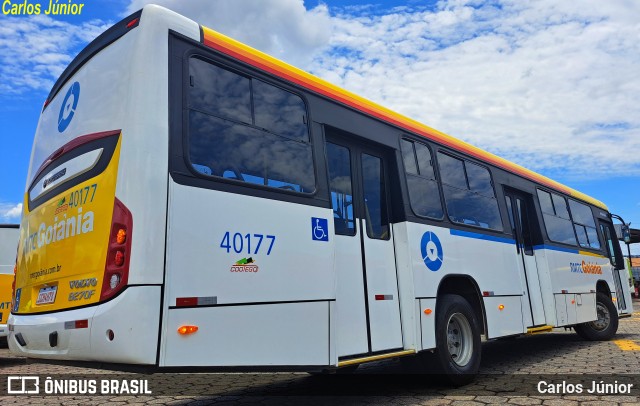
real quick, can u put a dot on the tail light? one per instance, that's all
(116, 270)
(13, 284)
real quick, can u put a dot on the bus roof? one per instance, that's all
(297, 76)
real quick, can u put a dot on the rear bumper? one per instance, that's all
(4, 330)
(133, 316)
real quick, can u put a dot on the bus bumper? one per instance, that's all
(84, 334)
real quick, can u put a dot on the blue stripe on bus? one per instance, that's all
(553, 248)
(479, 236)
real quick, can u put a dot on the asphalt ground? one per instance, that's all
(542, 369)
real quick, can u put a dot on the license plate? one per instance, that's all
(47, 295)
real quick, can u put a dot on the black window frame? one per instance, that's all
(436, 177)
(181, 172)
(465, 159)
(201, 54)
(585, 226)
(544, 222)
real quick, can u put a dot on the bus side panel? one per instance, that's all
(274, 334)
(489, 262)
(572, 273)
(253, 264)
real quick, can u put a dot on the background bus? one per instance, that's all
(193, 202)
(8, 244)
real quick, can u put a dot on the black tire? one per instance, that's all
(606, 326)
(458, 348)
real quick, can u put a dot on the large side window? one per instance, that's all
(556, 217)
(424, 195)
(244, 129)
(468, 193)
(584, 224)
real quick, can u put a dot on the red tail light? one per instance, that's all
(13, 284)
(116, 270)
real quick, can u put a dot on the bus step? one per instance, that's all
(379, 357)
(541, 329)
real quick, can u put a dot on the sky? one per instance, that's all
(553, 86)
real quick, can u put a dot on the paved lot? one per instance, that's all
(510, 369)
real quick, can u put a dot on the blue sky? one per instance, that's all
(551, 85)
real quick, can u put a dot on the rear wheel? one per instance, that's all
(605, 327)
(457, 354)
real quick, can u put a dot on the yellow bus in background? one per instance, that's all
(9, 234)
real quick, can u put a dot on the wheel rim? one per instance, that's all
(604, 318)
(459, 339)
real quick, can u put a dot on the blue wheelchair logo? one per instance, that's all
(68, 107)
(319, 229)
(431, 250)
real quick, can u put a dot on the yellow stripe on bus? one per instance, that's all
(591, 254)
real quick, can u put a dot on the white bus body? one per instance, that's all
(263, 272)
(8, 243)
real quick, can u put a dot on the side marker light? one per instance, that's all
(185, 330)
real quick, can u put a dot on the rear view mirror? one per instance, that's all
(626, 233)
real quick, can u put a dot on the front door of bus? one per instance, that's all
(368, 313)
(521, 219)
(610, 239)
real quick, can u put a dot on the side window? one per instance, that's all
(556, 218)
(424, 195)
(217, 91)
(375, 197)
(584, 225)
(339, 163)
(247, 130)
(468, 193)
(279, 111)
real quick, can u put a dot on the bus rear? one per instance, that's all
(86, 283)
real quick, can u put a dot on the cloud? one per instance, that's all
(10, 212)
(554, 87)
(35, 50)
(550, 85)
(282, 28)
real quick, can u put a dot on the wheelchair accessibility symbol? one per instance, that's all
(319, 229)
(68, 107)
(431, 250)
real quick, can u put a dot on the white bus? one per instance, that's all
(193, 202)
(8, 244)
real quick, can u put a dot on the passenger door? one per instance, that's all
(522, 222)
(368, 313)
(610, 242)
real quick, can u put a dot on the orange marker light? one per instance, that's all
(121, 237)
(501, 307)
(184, 330)
(427, 311)
(573, 301)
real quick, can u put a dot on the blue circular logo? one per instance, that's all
(431, 250)
(68, 107)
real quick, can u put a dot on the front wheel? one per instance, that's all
(457, 340)
(605, 327)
